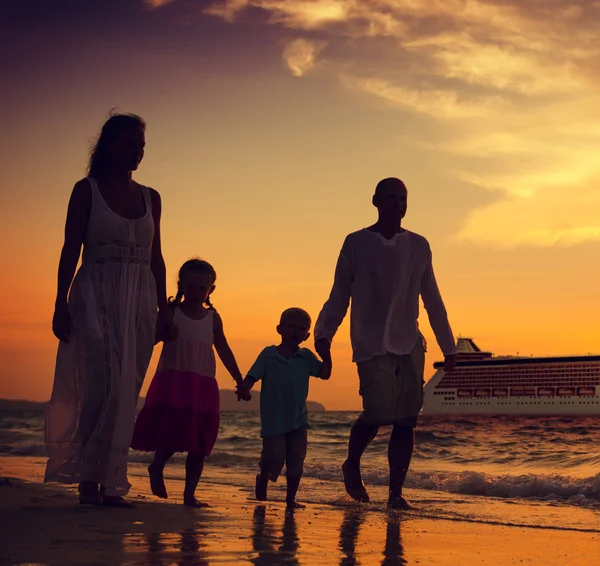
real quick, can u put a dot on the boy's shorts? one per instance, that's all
(392, 387)
(288, 448)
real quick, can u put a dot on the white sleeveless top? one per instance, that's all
(113, 238)
(192, 351)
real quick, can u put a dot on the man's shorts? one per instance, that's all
(392, 387)
(288, 448)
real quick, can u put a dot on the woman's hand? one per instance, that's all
(165, 329)
(61, 322)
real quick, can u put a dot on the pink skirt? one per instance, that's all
(180, 414)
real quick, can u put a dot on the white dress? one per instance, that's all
(99, 372)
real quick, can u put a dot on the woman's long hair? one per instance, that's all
(112, 129)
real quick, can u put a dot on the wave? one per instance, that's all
(583, 492)
(23, 449)
(552, 487)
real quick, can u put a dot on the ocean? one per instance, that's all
(542, 471)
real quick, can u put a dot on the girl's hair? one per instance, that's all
(194, 265)
(112, 129)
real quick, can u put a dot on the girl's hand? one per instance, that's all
(61, 322)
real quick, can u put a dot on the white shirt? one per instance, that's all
(384, 279)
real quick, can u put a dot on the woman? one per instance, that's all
(107, 325)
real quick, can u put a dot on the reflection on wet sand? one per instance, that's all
(393, 552)
(272, 549)
(168, 549)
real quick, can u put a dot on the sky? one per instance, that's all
(269, 123)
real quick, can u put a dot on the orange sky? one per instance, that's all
(269, 124)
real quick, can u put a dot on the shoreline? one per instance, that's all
(44, 525)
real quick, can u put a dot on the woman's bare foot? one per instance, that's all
(157, 482)
(191, 501)
(295, 505)
(353, 483)
(88, 493)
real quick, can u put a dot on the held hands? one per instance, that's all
(166, 331)
(450, 363)
(242, 392)
(61, 322)
(323, 348)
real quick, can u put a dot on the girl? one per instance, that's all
(107, 325)
(181, 411)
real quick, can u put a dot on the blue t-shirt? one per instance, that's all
(284, 388)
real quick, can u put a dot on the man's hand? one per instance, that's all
(323, 348)
(450, 363)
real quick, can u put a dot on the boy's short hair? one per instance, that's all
(295, 311)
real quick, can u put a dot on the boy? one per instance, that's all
(285, 371)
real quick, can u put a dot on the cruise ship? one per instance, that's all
(482, 383)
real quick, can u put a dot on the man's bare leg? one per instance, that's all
(400, 452)
(361, 436)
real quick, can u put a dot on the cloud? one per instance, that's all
(513, 86)
(438, 103)
(563, 216)
(300, 55)
(157, 3)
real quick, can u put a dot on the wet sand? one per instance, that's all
(44, 525)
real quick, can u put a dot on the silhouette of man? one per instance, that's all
(383, 269)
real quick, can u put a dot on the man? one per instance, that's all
(383, 269)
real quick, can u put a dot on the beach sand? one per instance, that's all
(44, 525)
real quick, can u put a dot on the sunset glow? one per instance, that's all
(270, 123)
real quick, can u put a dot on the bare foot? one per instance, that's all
(399, 502)
(157, 482)
(88, 493)
(193, 502)
(294, 505)
(112, 501)
(353, 483)
(260, 490)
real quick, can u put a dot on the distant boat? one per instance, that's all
(483, 383)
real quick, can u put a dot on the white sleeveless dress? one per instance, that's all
(99, 372)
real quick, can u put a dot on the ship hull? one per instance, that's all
(503, 400)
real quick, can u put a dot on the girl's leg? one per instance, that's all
(155, 470)
(194, 464)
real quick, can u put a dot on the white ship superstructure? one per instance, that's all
(483, 383)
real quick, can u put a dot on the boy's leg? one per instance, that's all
(271, 463)
(296, 445)
(155, 471)
(194, 464)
